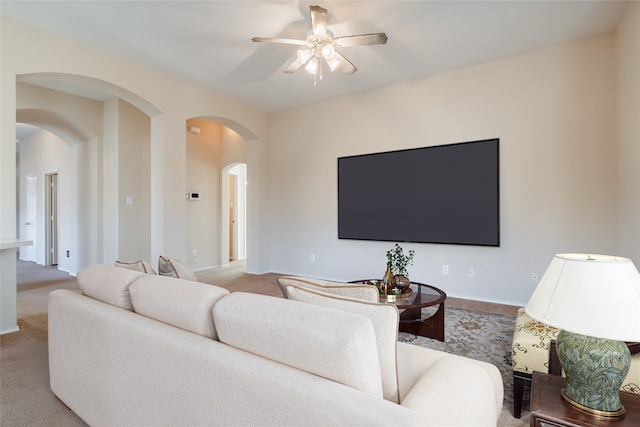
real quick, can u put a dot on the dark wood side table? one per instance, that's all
(548, 408)
(411, 320)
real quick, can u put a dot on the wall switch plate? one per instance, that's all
(445, 270)
(312, 257)
(534, 277)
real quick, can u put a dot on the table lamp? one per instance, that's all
(595, 301)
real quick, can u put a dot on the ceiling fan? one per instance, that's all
(321, 45)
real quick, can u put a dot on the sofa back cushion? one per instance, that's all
(108, 284)
(332, 344)
(181, 303)
(385, 319)
(353, 290)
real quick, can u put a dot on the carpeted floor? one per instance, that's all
(26, 399)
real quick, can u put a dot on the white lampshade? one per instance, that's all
(312, 66)
(304, 55)
(333, 63)
(328, 51)
(594, 295)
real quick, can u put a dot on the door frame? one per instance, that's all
(51, 218)
(31, 218)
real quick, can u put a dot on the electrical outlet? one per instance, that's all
(471, 272)
(534, 277)
(445, 270)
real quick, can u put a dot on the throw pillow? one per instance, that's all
(141, 266)
(353, 290)
(385, 319)
(174, 268)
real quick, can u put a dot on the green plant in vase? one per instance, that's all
(399, 261)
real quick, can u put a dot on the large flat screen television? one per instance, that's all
(440, 194)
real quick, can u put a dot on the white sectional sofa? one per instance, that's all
(146, 350)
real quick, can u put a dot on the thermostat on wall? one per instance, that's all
(194, 196)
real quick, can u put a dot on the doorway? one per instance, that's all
(236, 202)
(51, 219)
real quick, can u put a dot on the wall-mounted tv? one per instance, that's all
(440, 194)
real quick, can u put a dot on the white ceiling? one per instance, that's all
(209, 42)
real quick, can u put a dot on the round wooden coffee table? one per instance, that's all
(411, 319)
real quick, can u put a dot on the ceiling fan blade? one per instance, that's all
(295, 65)
(345, 65)
(361, 40)
(279, 40)
(318, 20)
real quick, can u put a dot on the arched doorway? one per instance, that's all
(216, 172)
(81, 112)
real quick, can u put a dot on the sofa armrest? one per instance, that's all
(454, 390)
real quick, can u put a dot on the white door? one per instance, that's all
(31, 225)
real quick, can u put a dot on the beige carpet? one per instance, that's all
(24, 370)
(26, 399)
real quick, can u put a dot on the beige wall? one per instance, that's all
(628, 137)
(204, 176)
(554, 112)
(134, 176)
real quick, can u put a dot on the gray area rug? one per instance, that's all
(481, 336)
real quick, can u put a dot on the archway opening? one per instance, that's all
(216, 194)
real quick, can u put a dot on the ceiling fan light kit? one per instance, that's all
(320, 47)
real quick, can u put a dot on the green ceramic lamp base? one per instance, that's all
(595, 369)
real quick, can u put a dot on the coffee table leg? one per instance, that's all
(431, 327)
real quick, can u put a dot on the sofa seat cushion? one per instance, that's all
(108, 284)
(353, 290)
(385, 319)
(172, 267)
(182, 303)
(329, 343)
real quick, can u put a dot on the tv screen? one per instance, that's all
(441, 194)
